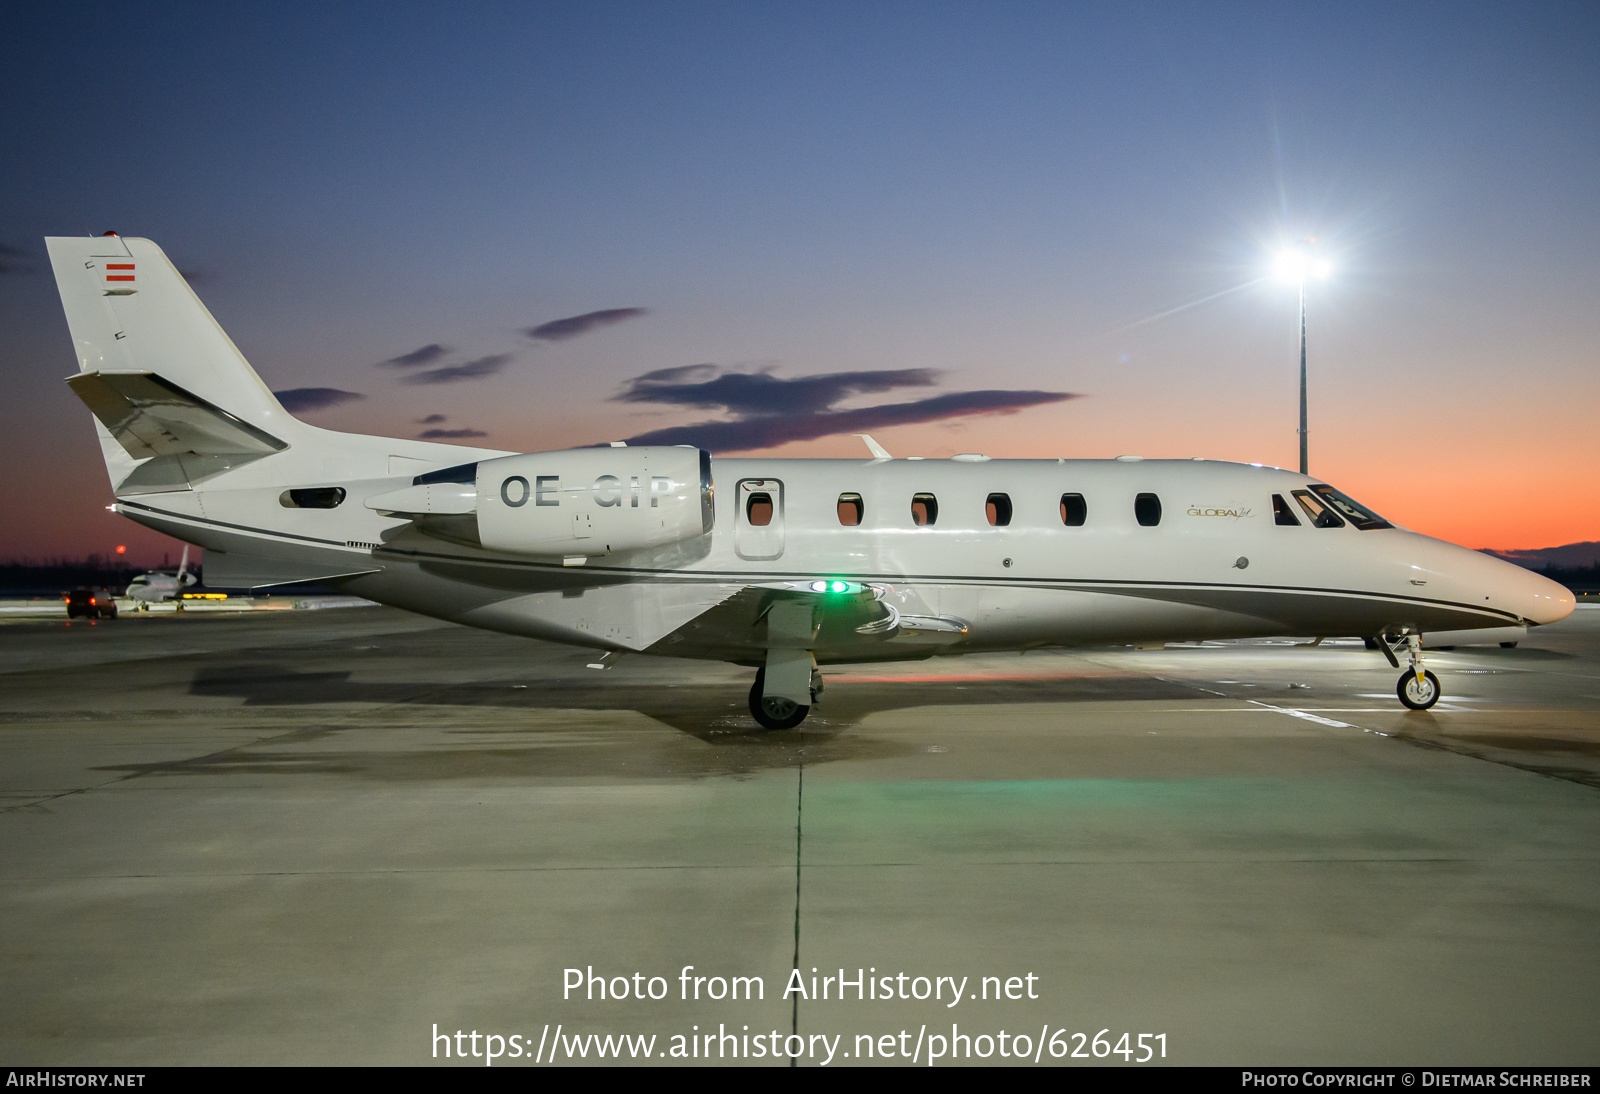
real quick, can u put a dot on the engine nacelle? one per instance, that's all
(593, 501)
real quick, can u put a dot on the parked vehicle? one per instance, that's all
(91, 604)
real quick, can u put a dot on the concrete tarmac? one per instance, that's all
(326, 837)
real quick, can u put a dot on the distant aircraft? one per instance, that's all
(156, 586)
(790, 565)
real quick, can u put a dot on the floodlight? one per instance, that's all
(1296, 266)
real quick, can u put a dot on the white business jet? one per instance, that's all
(157, 586)
(788, 565)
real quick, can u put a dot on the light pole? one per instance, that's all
(1295, 266)
(1305, 459)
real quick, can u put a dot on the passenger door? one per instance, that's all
(758, 527)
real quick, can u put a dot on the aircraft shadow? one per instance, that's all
(712, 712)
(701, 710)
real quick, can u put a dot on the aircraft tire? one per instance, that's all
(1414, 697)
(770, 712)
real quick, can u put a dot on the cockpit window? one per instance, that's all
(1282, 514)
(1318, 510)
(1359, 515)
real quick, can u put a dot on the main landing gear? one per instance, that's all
(1418, 688)
(774, 711)
(788, 685)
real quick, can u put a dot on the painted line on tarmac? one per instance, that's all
(1306, 715)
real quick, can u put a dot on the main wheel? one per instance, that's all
(771, 712)
(1418, 696)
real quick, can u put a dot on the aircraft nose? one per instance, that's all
(1536, 598)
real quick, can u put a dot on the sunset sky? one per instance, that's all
(760, 217)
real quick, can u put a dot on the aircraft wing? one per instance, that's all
(151, 416)
(857, 622)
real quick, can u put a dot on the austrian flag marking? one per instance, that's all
(119, 266)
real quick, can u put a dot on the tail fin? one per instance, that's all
(161, 376)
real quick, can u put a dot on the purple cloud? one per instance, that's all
(450, 434)
(767, 431)
(756, 393)
(427, 355)
(769, 410)
(14, 260)
(431, 419)
(297, 399)
(455, 374)
(559, 330)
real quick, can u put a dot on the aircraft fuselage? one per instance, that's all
(1216, 563)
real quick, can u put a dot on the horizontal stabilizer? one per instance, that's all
(152, 416)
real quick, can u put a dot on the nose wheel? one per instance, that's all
(1418, 688)
(1418, 693)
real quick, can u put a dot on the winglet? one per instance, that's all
(878, 451)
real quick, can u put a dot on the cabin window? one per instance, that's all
(1318, 510)
(1073, 510)
(1359, 515)
(314, 497)
(851, 510)
(758, 510)
(1282, 514)
(1147, 510)
(924, 509)
(997, 507)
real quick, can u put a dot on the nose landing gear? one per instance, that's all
(1418, 688)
